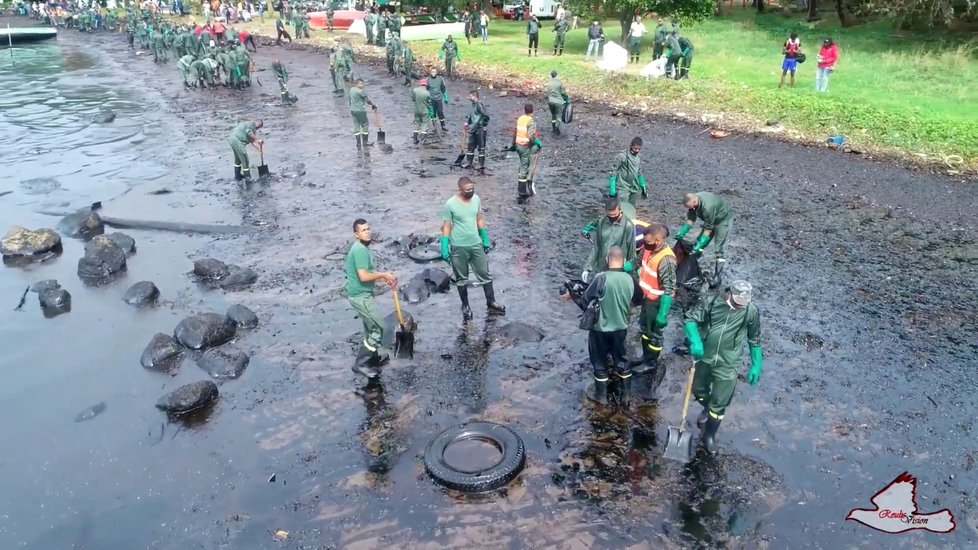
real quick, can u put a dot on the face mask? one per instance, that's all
(651, 246)
(468, 194)
(614, 219)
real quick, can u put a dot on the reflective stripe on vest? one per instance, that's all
(523, 130)
(648, 278)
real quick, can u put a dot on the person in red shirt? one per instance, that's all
(246, 38)
(828, 54)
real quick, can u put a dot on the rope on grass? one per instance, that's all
(951, 161)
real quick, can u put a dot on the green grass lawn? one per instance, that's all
(891, 90)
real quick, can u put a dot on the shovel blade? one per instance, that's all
(381, 136)
(679, 445)
(404, 344)
(263, 170)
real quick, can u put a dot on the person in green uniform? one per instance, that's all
(393, 48)
(358, 109)
(686, 57)
(198, 73)
(282, 74)
(556, 99)
(612, 229)
(159, 47)
(210, 67)
(615, 290)
(348, 60)
(243, 60)
(408, 63)
(657, 279)
(717, 222)
(674, 52)
(526, 141)
(439, 96)
(532, 35)
(716, 328)
(659, 39)
(241, 136)
(560, 27)
(360, 280)
(336, 60)
(464, 243)
(449, 52)
(394, 23)
(381, 38)
(329, 16)
(369, 22)
(226, 62)
(476, 125)
(184, 66)
(626, 179)
(421, 99)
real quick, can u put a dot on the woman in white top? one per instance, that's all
(635, 33)
(484, 26)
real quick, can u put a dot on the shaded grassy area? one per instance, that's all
(907, 95)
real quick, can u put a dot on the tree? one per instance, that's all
(686, 11)
(813, 10)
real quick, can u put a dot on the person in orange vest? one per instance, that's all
(525, 140)
(657, 279)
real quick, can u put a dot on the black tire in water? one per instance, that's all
(511, 462)
(428, 252)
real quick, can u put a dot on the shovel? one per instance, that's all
(679, 441)
(262, 168)
(403, 338)
(462, 143)
(533, 171)
(381, 134)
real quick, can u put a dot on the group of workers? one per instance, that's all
(667, 42)
(619, 273)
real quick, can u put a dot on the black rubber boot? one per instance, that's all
(624, 388)
(649, 360)
(599, 392)
(380, 357)
(468, 161)
(237, 173)
(522, 188)
(491, 305)
(709, 435)
(701, 419)
(463, 294)
(555, 51)
(359, 145)
(443, 127)
(415, 138)
(482, 162)
(361, 365)
(717, 279)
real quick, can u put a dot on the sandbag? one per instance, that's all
(567, 114)
(689, 277)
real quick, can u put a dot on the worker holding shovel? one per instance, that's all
(241, 136)
(358, 109)
(360, 279)
(725, 321)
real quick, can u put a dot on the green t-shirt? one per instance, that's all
(242, 131)
(358, 100)
(358, 258)
(555, 92)
(463, 215)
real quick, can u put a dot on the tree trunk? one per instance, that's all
(625, 18)
(813, 10)
(718, 11)
(846, 19)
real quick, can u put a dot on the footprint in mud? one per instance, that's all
(40, 186)
(91, 412)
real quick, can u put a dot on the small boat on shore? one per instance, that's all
(15, 36)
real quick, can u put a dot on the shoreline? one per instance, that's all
(736, 124)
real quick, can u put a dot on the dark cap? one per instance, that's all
(637, 141)
(611, 203)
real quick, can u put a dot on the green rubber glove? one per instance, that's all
(754, 374)
(484, 235)
(431, 111)
(536, 143)
(662, 316)
(587, 229)
(695, 344)
(458, 56)
(441, 54)
(628, 266)
(444, 247)
(613, 185)
(444, 96)
(683, 229)
(701, 243)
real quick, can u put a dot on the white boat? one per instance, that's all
(14, 36)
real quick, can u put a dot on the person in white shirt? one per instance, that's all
(635, 33)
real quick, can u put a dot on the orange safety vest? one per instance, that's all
(648, 278)
(523, 130)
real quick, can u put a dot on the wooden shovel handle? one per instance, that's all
(689, 391)
(377, 120)
(397, 308)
